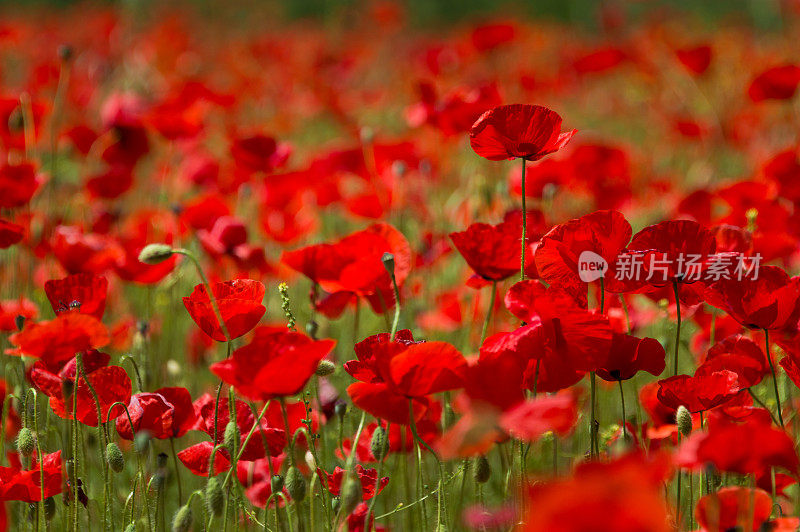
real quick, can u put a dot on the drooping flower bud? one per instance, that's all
(379, 446)
(155, 253)
(482, 470)
(683, 418)
(232, 437)
(276, 483)
(19, 322)
(215, 497)
(141, 441)
(114, 457)
(351, 493)
(26, 441)
(182, 522)
(49, 508)
(295, 484)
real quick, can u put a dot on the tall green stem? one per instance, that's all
(524, 226)
(678, 326)
(774, 378)
(489, 312)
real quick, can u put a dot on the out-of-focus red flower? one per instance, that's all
(276, 363)
(740, 355)
(629, 355)
(455, 112)
(487, 37)
(529, 420)
(367, 477)
(10, 233)
(776, 83)
(238, 301)
(259, 153)
(110, 383)
(493, 251)
(625, 495)
(12, 308)
(766, 299)
(739, 508)
(599, 60)
(511, 131)
(698, 393)
(18, 183)
(18, 484)
(353, 266)
(56, 341)
(84, 293)
(79, 252)
(165, 413)
(696, 59)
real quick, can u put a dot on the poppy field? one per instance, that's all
(355, 272)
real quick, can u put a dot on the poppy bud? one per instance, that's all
(340, 409)
(19, 321)
(276, 483)
(182, 522)
(311, 329)
(351, 493)
(49, 508)
(131, 527)
(215, 497)
(336, 504)
(379, 446)
(295, 484)
(482, 470)
(114, 457)
(161, 460)
(155, 253)
(751, 215)
(65, 52)
(684, 420)
(231, 436)
(26, 441)
(388, 262)
(141, 441)
(325, 367)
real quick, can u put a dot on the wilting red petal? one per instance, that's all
(197, 459)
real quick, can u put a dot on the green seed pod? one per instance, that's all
(325, 367)
(276, 483)
(215, 497)
(182, 522)
(114, 457)
(155, 253)
(26, 441)
(340, 409)
(482, 470)
(295, 484)
(232, 438)
(388, 262)
(379, 446)
(351, 493)
(49, 508)
(683, 418)
(131, 527)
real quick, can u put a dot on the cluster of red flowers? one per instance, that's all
(215, 316)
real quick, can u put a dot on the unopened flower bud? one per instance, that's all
(379, 446)
(311, 329)
(161, 460)
(26, 441)
(65, 52)
(340, 410)
(232, 438)
(215, 497)
(482, 470)
(336, 503)
(19, 321)
(295, 484)
(351, 493)
(114, 457)
(683, 418)
(155, 253)
(49, 508)
(388, 262)
(276, 483)
(182, 522)
(141, 441)
(131, 527)
(325, 367)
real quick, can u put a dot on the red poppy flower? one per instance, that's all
(599, 60)
(625, 495)
(165, 413)
(79, 252)
(56, 341)
(144, 227)
(197, 459)
(512, 131)
(737, 508)
(580, 338)
(18, 484)
(528, 421)
(10, 234)
(367, 477)
(749, 446)
(353, 265)
(10, 309)
(276, 363)
(110, 383)
(740, 355)
(487, 37)
(696, 60)
(453, 113)
(256, 477)
(83, 292)
(238, 301)
(562, 256)
(18, 183)
(629, 355)
(259, 153)
(776, 83)
(767, 299)
(698, 393)
(493, 251)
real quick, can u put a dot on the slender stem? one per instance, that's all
(624, 418)
(413, 426)
(379, 471)
(524, 226)
(678, 495)
(101, 433)
(678, 327)
(489, 312)
(177, 471)
(774, 378)
(594, 447)
(40, 522)
(396, 320)
(602, 295)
